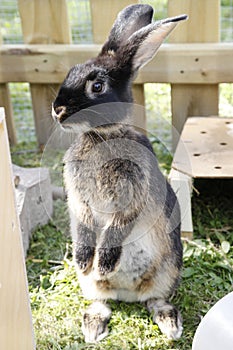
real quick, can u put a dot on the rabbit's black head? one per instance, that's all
(132, 42)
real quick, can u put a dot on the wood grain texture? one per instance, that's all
(205, 148)
(199, 63)
(15, 318)
(5, 101)
(104, 13)
(202, 26)
(203, 22)
(44, 22)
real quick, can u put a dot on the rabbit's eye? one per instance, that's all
(97, 87)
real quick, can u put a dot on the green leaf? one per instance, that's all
(188, 272)
(225, 246)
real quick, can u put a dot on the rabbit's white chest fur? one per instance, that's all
(99, 191)
(137, 277)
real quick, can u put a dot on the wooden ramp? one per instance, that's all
(205, 150)
(16, 332)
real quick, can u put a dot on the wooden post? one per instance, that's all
(101, 26)
(15, 317)
(44, 22)
(104, 13)
(5, 101)
(202, 26)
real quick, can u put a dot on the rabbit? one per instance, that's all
(124, 215)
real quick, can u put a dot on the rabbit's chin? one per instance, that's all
(77, 128)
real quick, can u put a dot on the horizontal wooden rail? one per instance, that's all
(209, 63)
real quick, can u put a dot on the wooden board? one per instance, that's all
(15, 318)
(202, 26)
(5, 101)
(209, 63)
(191, 100)
(103, 14)
(44, 22)
(205, 149)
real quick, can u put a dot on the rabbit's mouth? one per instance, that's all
(66, 121)
(59, 113)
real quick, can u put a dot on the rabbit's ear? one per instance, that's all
(129, 20)
(143, 44)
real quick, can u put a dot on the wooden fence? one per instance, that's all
(193, 62)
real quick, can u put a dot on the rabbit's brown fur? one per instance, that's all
(125, 219)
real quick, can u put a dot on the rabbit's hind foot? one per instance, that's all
(95, 322)
(167, 317)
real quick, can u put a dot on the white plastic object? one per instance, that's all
(215, 332)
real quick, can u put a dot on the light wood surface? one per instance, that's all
(199, 63)
(202, 26)
(103, 13)
(44, 22)
(205, 149)
(5, 102)
(15, 317)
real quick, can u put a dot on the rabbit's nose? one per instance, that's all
(58, 112)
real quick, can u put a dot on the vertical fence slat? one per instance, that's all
(5, 101)
(104, 13)
(16, 331)
(44, 22)
(202, 26)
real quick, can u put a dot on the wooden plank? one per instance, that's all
(191, 100)
(42, 98)
(44, 22)
(209, 63)
(202, 26)
(205, 148)
(102, 24)
(15, 318)
(202, 23)
(5, 101)
(182, 186)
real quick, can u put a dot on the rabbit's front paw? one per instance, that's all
(167, 317)
(108, 259)
(95, 322)
(84, 257)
